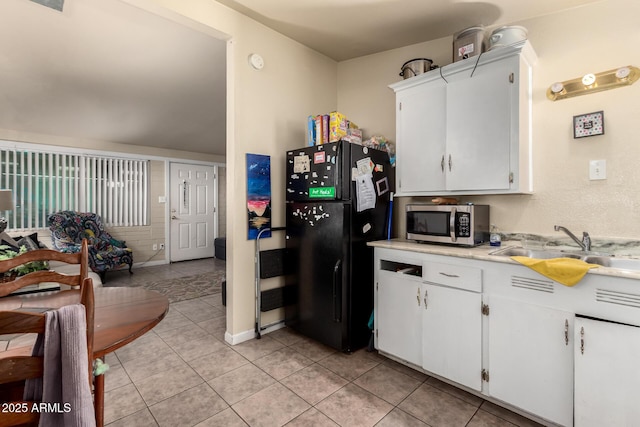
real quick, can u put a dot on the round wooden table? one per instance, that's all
(121, 316)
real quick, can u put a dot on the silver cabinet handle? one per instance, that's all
(425, 299)
(418, 297)
(566, 332)
(582, 340)
(442, 163)
(448, 275)
(450, 162)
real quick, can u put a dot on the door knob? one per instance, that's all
(174, 217)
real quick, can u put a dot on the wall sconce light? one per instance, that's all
(590, 83)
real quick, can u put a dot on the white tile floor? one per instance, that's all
(182, 373)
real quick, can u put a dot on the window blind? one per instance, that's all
(46, 182)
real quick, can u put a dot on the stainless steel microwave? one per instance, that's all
(464, 225)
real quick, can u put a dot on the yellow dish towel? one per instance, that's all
(567, 271)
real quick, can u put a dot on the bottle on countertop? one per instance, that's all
(494, 238)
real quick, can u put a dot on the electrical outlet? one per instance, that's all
(597, 169)
(161, 246)
(155, 247)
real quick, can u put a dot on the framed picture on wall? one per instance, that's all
(588, 124)
(258, 195)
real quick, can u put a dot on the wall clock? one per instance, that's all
(588, 124)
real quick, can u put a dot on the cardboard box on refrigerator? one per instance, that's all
(337, 126)
(318, 124)
(354, 136)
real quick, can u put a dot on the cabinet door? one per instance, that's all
(398, 316)
(480, 110)
(452, 334)
(607, 377)
(531, 358)
(420, 137)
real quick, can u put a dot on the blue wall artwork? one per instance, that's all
(258, 195)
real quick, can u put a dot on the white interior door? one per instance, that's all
(192, 201)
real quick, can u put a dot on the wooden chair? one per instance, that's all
(16, 367)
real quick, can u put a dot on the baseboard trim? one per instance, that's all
(149, 263)
(250, 334)
(239, 338)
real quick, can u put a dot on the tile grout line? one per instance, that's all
(377, 358)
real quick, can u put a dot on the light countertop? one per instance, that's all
(482, 252)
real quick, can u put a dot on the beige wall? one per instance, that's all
(594, 38)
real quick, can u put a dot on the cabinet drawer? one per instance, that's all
(455, 276)
(402, 268)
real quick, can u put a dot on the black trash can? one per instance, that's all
(220, 246)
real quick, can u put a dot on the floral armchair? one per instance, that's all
(68, 228)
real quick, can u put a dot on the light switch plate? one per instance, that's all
(597, 169)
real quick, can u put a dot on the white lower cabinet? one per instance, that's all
(531, 358)
(513, 337)
(452, 334)
(398, 311)
(607, 376)
(452, 322)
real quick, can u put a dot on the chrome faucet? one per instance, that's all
(585, 243)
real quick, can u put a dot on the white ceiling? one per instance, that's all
(345, 29)
(104, 70)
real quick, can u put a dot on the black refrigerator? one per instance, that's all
(337, 199)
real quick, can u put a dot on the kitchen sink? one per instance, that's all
(592, 258)
(534, 253)
(620, 263)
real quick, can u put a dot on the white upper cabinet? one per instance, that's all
(421, 120)
(466, 128)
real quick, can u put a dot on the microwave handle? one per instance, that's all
(452, 224)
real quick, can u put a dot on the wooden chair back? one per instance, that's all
(15, 369)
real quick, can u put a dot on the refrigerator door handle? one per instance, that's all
(336, 279)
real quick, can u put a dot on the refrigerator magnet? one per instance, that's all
(366, 228)
(319, 157)
(365, 166)
(382, 185)
(301, 164)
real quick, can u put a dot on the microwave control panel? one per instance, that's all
(463, 224)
